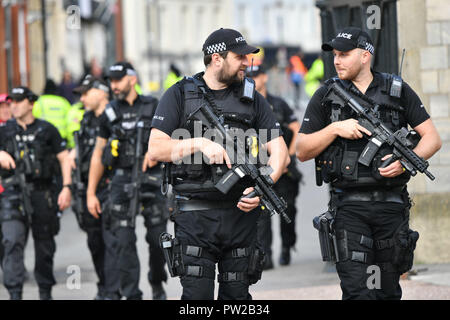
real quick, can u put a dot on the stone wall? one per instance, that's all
(424, 31)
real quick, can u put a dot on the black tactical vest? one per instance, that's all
(124, 131)
(197, 180)
(339, 162)
(40, 162)
(278, 112)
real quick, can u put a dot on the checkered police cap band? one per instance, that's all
(216, 48)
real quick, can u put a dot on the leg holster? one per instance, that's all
(256, 258)
(11, 208)
(118, 217)
(342, 238)
(402, 246)
(173, 254)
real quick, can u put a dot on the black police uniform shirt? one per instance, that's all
(49, 135)
(279, 105)
(316, 117)
(169, 113)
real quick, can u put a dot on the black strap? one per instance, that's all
(237, 253)
(199, 271)
(384, 244)
(232, 276)
(197, 252)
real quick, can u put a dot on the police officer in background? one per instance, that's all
(40, 146)
(371, 203)
(212, 227)
(288, 184)
(94, 97)
(116, 148)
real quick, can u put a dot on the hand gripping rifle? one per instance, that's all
(243, 167)
(399, 140)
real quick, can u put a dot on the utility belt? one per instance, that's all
(394, 195)
(174, 251)
(194, 204)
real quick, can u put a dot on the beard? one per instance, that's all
(122, 94)
(228, 78)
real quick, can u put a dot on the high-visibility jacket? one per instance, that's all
(53, 109)
(74, 117)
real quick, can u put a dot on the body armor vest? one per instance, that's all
(121, 148)
(278, 112)
(339, 162)
(191, 178)
(38, 160)
(87, 136)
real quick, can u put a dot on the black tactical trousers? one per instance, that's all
(45, 225)
(95, 229)
(377, 221)
(124, 237)
(288, 189)
(217, 232)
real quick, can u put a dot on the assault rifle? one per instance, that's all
(399, 140)
(23, 167)
(138, 178)
(243, 167)
(79, 186)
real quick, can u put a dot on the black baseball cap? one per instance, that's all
(227, 40)
(120, 69)
(348, 39)
(253, 71)
(90, 82)
(21, 93)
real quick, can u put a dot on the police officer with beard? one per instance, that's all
(94, 97)
(116, 148)
(289, 183)
(39, 154)
(211, 227)
(370, 203)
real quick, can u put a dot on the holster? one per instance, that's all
(171, 248)
(405, 241)
(255, 265)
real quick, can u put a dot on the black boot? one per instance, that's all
(285, 257)
(17, 295)
(45, 294)
(158, 292)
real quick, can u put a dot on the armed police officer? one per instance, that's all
(32, 152)
(94, 97)
(210, 226)
(288, 184)
(369, 199)
(121, 144)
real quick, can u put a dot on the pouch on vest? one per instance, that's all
(349, 165)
